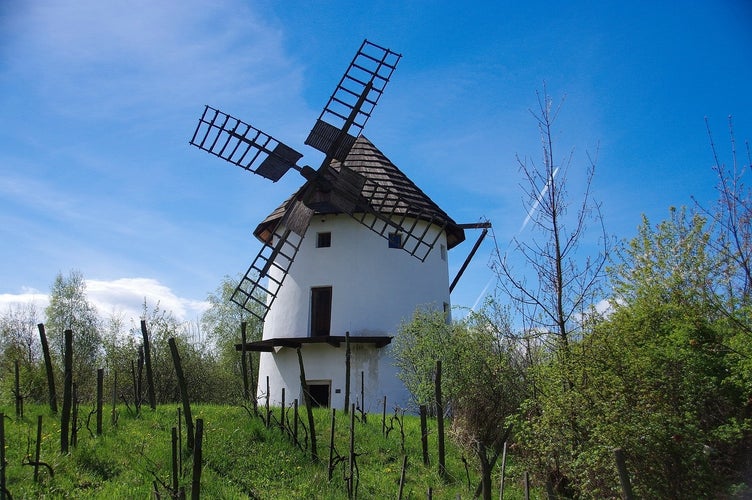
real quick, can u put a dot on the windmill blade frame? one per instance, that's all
(353, 100)
(260, 285)
(241, 144)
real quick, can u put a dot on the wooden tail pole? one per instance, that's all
(309, 406)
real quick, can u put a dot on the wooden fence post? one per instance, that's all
(100, 397)
(347, 373)
(175, 451)
(440, 421)
(402, 477)
(503, 471)
(363, 396)
(244, 361)
(48, 368)
(282, 412)
(38, 450)
(424, 433)
(3, 489)
(67, 391)
(196, 482)
(351, 457)
(149, 372)
(383, 418)
(113, 417)
(183, 392)
(331, 446)
(17, 391)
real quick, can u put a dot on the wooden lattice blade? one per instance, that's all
(243, 145)
(262, 281)
(349, 107)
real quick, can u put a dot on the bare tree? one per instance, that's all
(558, 284)
(732, 225)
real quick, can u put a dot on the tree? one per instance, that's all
(564, 282)
(222, 322)
(656, 378)
(19, 342)
(70, 309)
(482, 376)
(555, 293)
(732, 231)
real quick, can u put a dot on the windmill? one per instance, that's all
(378, 206)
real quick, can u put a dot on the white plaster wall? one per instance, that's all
(373, 286)
(326, 363)
(374, 289)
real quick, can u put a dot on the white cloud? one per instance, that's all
(126, 296)
(123, 297)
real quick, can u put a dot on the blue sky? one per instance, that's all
(99, 100)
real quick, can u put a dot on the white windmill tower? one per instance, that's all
(353, 247)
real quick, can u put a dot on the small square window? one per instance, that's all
(323, 240)
(395, 240)
(443, 252)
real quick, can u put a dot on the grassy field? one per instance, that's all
(241, 458)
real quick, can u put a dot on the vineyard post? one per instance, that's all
(424, 433)
(175, 451)
(347, 372)
(2, 456)
(196, 483)
(295, 421)
(351, 457)
(67, 391)
(37, 454)
(331, 446)
(149, 372)
(402, 477)
(503, 471)
(309, 404)
(100, 390)
(139, 387)
(48, 367)
(113, 417)
(244, 361)
(183, 392)
(440, 421)
(282, 412)
(17, 391)
(383, 419)
(363, 396)
(268, 411)
(74, 417)
(526, 485)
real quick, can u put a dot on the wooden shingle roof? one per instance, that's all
(365, 159)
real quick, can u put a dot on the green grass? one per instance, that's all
(241, 458)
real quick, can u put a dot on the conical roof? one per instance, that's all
(365, 159)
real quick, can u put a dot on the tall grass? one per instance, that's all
(241, 458)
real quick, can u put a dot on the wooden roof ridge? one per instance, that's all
(367, 160)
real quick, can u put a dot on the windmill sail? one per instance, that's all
(353, 100)
(243, 145)
(261, 283)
